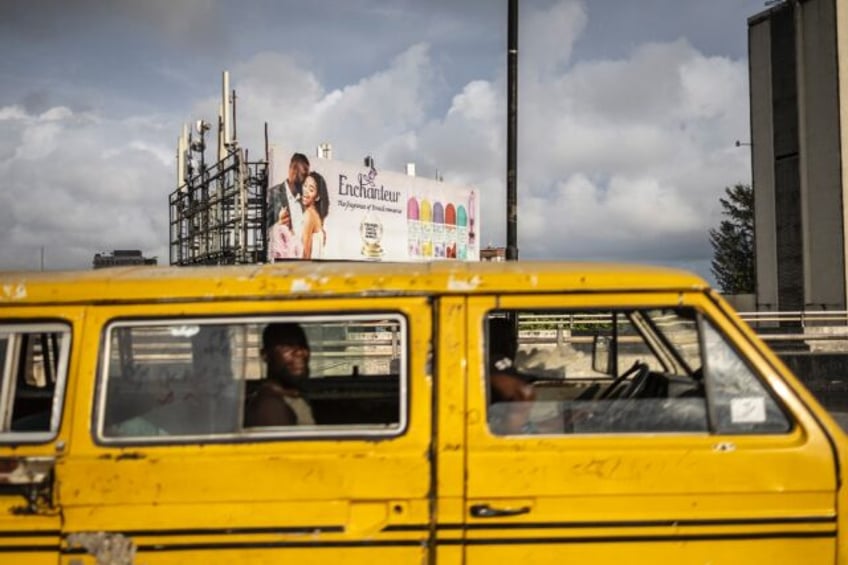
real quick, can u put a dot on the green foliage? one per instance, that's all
(733, 242)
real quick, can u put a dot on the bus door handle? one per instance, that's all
(486, 511)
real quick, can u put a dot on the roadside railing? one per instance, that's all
(802, 318)
(815, 330)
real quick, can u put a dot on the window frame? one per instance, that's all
(8, 378)
(641, 311)
(264, 434)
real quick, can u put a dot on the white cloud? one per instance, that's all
(379, 114)
(38, 141)
(56, 114)
(546, 38)
(618, 159)
(477, 101)
(12, 113)
(74, 187)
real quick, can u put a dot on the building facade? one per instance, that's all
(121, 258)
(490, 253)
(798, 67)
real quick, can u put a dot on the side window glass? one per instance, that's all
(740, 402)
(224, 379)
(170, 380)
(593, 372)
(660, 370)
(33, 361)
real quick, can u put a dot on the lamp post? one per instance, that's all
(512, 134)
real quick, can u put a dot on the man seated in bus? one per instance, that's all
(510, 393)
(277, 400)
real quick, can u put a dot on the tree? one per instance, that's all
(733, 242)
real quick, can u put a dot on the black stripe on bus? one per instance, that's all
(262, 545)
(155, 548)
(424, 527)
(619, 524)
(234, 531)
(30, 533)
(28, 548)
(643, 538)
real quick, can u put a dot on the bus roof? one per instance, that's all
(320, 279)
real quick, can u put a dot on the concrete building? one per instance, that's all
(798, 57)
(490, 253)
(121, 258)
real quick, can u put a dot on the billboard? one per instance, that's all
(328, 209)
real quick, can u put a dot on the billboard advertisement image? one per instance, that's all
(328, 209)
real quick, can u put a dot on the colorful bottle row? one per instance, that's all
(440, 231)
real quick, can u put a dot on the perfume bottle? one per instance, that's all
(461, 233)
(472, 237)
(413, 227)
(426, 222)
(450, 231)
(371, 233)
(438, 230)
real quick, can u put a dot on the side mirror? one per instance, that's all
(601, 355)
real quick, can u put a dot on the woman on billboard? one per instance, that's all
(316, 204)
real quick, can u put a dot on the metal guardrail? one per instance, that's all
(790, 326)
(817, 329)
(802, 318)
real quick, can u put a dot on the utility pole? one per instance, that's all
(512, 135)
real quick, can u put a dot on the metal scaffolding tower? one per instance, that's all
(217, 216)
(217, 212)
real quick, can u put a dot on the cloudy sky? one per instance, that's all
(628, 112)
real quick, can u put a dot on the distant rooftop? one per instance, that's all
(121, 258)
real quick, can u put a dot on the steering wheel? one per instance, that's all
(638, 383)
(637, 366)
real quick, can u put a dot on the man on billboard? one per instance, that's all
(284, 212)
